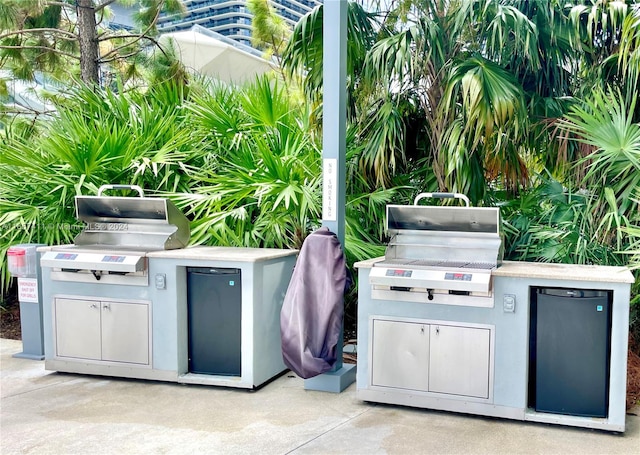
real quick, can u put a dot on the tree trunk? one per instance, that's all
(88, 39)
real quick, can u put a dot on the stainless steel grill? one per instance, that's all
(118, 233)
(439, 254)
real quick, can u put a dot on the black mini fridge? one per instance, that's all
(570, 345)
(214, 306)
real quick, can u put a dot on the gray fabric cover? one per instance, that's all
(311, 317)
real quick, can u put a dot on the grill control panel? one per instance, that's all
(98, 261)
(458, 276)
(398, 272)
(66, 256)
(431, 278)
(113, 259)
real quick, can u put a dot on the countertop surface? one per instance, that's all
(575, 272)
(204, 253)
(544, 270)
(368, 263)
(223, 253)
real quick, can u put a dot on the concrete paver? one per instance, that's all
(44, 412)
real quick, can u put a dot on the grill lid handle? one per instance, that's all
(120, 187)
(442, 196)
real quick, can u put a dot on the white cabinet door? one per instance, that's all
(460, 360)
(125, 332)
(77, 328)
(400, 355)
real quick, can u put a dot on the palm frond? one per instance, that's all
(605, 122)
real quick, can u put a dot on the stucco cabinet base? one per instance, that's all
(473, 359)
(140, 330)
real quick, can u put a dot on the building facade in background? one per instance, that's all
(230, 18)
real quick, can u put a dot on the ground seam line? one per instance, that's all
(327, 431)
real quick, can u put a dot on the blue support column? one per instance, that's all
(334, 125)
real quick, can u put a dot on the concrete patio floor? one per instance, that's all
(43, 412)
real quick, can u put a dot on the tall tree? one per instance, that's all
(270, 31)
(63, 37)
(88, 40)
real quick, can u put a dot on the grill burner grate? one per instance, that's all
(436, 264)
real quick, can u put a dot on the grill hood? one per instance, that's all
(142, 223)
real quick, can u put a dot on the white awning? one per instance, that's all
(213, 57)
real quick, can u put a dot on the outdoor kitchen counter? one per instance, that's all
(221, 253)
(143, 319)
(518, 269)
(432, 353)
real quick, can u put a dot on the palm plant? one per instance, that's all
(259, 182)
(551, 223)
(601, 30)
(303, 52)
(432, 62)
(365, 223)
(629, 50)
(604, 122)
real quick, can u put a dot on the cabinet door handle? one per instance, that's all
(106, 307)
(93, 305)
(437, 330)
